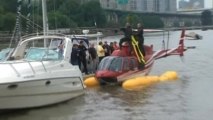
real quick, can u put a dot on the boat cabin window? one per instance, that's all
(111, 63)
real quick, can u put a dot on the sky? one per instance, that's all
(208, 3)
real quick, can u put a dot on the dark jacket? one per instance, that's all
(140, 32)
(82, 50)
(127, 31)
(107, 49)
(127, 36)
(92, 52)
(75, 56)
(139, 35)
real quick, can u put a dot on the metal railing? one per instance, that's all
(27, 62)
(41, 34)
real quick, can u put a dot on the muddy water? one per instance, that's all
(189, 98)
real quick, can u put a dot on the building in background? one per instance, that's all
(191, 4)
(159, 6)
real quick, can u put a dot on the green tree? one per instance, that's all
(1, 22)
(9, 20)
(1, 17)
(148, 21)
(152, 22)
(133, 19)
(9, 5)
(54, 4)
(58, 20)
(1, 9)
(71, 9)
(91, 13)
(206, 17)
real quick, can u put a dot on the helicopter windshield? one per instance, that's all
(111, 63)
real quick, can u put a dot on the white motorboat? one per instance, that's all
(39, 74)
(193, 36)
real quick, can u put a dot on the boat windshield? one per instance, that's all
(42, 54)
(4, 53)
(111, 63)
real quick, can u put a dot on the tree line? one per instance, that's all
(74, 14)
(61, 13)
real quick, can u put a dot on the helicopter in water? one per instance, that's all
(121, 65)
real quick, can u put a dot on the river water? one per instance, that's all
(189, 98)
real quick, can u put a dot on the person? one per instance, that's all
(140, 37)
(82, 56)
(115, 46)
(100, 51)
(106, 49)
(74, 55)
(61, 50)
(111, 48)
(127, 36)
(92, 57)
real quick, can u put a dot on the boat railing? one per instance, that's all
(30, 65)
(41, 34)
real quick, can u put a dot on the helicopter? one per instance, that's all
(121, 65)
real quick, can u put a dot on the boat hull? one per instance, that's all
(37, 93)
(22, 102)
